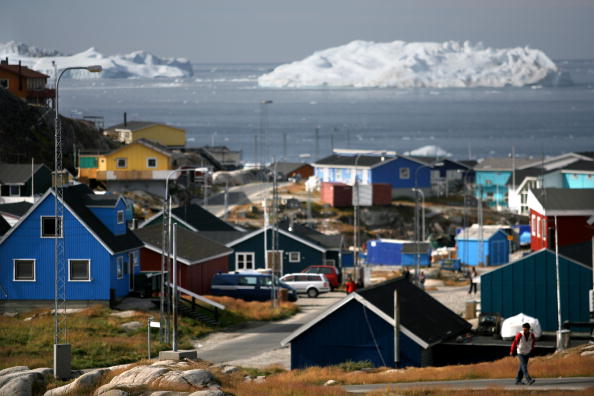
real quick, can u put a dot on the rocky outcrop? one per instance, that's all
(20, 380)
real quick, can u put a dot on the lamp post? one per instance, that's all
(62, 351)
(165, 248)
(418, 192)
(264, 128)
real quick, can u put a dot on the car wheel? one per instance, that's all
(312, 293)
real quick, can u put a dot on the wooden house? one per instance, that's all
(12, 212)
(101, 255)
(571, 207)
(369, 316)
(22, 182)
(198, 258)
(297, 170)
(25, 83)
(131, 131)
(192, 217)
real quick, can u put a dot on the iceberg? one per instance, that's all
(133, 65)
(429, 151)
(400, 64)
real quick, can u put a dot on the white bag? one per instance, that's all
(513, 325)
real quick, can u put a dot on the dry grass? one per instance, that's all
(256, 310)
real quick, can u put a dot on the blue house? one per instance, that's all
(494, 243)
(368, 314)
(192, 217)
(397, 252)
(528, 285)
(100, 254)
(579, 174)
(401, 172)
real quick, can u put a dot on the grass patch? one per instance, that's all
(355, 366)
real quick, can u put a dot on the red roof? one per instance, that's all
(25, 71)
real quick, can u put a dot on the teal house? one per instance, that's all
(578, 175)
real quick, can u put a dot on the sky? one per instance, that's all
(212, 31)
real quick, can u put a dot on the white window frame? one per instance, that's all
(120, 217)
(88, 270)
(14, 278)
(120, 268)
(533, 224)
(61, 228)
(404, 173)
(18, 190)
(118, 163)
(148, 162)
(330, 262)
(538, 227)
(294, 260)
(244, 255)
(543, 224)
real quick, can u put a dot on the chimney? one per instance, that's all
(4, 61)
(20, 78)
(125, 119)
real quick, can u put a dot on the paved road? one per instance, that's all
(544, 384)
(251, 342)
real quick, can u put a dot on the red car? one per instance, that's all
(329, 271)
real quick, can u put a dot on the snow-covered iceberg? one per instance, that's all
(135, 64)
(405, 65)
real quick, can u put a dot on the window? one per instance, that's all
(120, 217)
(121, 162)
(244, 261)
(48, 227)
(79, 270)
(4, 83)
(15, 191)
(544, 229)
(24, 270)
(120, 268)
(538, 227)
(533, 225)
(151, 162)
(330, 262)
(247, 280)
(294, 257)
(404, 173)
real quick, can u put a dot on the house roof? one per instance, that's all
(538, 252)
(25, 71)
(223, 237)
(562, 201)
(17, 173)
(287, 167)
(195, 218)
(288, 234)
(521, 174)
(411, 248)
(133, 125)
(192, 247)
(581, 165)
(468, 163)
(107, 200)
(360, 161)
(504, 164)
(473, 232)
(16, 208)
(422, 318)
(147, 143)
(331, 242)
(4, 226)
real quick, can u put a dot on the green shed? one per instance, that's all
(529, 286)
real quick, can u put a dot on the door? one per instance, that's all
(131, 269)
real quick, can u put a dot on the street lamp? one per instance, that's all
(264, 128)
(62, 351)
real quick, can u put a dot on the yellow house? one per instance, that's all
(140, 160)
(131, 131)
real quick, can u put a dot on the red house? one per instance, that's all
(572, 208)
(25, 83)
(198, 258)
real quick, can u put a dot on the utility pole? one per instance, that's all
(481, 248)
(317, 139)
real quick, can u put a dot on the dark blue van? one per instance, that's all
(249, 286)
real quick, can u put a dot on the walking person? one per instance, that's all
(473, 275)
(523, 346)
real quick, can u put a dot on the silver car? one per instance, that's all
(310, 284)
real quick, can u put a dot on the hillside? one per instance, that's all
(28, 132)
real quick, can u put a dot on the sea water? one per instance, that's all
(222, 105)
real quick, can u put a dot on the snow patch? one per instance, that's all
(400, 64)
(137, 64)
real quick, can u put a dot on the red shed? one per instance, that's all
(572, 207)
(338, 195)
(382, 193)
(198, 258)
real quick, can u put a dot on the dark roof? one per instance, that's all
(25, 71)
(200, 218)
(191, 246)
(133, 125)
(587, 153)
(17, 173)
(363, 161)
(504, 164)
(411, 248)
(427, 160)
(420, 313)
(581, 165)
(76, 197)
(565, 198)
(223, 237)
(108, 199)
(287, 167)
(468, 163)
(302, 231)
(521, 174)
(16, 208)
(4, 226)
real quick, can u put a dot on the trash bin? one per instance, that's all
(470, 311)
(563, 339)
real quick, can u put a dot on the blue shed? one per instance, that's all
(100, 253)
(385, 251)
(369, 315)
(495, 246)
(529, 286)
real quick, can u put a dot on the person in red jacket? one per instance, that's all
(350, 285)
(522, 346)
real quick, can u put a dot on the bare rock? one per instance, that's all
(84, 383)
(10, 314)
(198, 378)
(208, 392)
(115, 392)
(587, 353)
(229, 369)
(14, 369)
(131, 326)
(140, 375)
(330, 383)
(19, 383)
(111, 390)
(260, 379)
(125, 314)
(45, 371)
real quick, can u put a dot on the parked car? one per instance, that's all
(329, 271)
(310, 284)
(250, 286)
